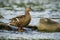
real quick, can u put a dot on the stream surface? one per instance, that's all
(29, 34)
(51, 10)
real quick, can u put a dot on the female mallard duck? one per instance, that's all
(48, 25)
(22, 21)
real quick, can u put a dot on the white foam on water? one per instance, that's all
(29, 35)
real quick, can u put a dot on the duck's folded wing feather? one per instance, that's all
(18, 17)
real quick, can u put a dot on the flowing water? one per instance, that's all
(35, 15)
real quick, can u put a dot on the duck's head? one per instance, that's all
(28, 9)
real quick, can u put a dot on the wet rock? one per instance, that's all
(1, 16)
(32, 27)
(4, 26)
(48, 25)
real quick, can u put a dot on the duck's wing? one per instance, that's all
(19, 20)
(18, 17)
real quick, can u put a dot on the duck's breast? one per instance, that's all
(26, 21)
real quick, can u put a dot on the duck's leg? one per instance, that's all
(20, 29)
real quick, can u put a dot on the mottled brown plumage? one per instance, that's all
(21, 21)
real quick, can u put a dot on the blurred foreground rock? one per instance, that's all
(48, 25)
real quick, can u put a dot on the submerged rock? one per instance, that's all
(48, 25)
(9, 8)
